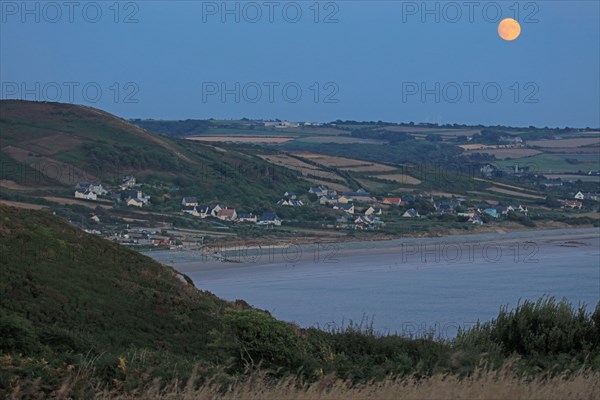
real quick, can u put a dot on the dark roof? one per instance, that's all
(269, 216)
(244, 216)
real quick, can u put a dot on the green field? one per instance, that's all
(552, 163)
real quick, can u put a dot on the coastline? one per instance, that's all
(339, 240)
(251, 254)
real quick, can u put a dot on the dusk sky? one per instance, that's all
(359, 60)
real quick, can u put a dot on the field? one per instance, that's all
(338, 139)
(567, 177)
(551, 163)
(242, 139)
(400, 178)
(514, 193)
(345, 164)
(505, 154)
(575, 142)
(300, 166)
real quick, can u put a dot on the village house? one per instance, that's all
(95, 188)
(290, 203)
(204, 211)
(373, 210)
(369, 222)
(135, 198)
(411, 213)
(344, 199)
(517, 209)
(328, 200)
(487, 170)
(128, 182)
(572, 204)
(290, 195)
(470, 213)
(348, 208)
(135, 202)
(394, 201)
(247, 218)
(269, 218)
(282, 124)
(189, 201)
(86, 195)
(227, 214)
(579, 196)
(476, 220)
(322, 191)
(361, 195)
(214, 209)
(552, 182)
(193, 210)
(446, 207)
(492, 212)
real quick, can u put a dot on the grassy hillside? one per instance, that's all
(80, 315)
(58, 145)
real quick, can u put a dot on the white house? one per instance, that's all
(373, 211)
(269, 218)
(135, 202)
(579, 196)
(348, 208)
(86, 195)
(247, 218)
(328, 199)
(189, 201)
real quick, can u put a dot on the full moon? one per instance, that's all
(509, 29)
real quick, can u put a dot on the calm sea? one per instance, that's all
(411, 286)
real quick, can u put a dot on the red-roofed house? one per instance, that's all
(227, 214)
(396, 201)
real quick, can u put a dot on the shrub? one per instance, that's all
(18, 335)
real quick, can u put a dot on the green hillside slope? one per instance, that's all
(61, 144)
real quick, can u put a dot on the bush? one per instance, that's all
(262, 340)
(540, 329)
(18, 335)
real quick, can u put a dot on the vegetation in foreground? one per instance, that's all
(81, 317)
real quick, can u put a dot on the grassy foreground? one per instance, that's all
(84, 318)
(480, 385)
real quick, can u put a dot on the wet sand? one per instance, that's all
(231, 258)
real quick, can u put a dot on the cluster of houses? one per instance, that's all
(190, 205)
(577, 201)
(127, 194)
(290, 199)
(89, 190)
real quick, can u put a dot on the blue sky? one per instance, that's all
(363, 60)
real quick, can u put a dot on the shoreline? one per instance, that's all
(232, 257)
(252, 244)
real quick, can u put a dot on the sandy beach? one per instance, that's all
(229, 257)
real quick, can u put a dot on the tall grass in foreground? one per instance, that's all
(483, 384)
